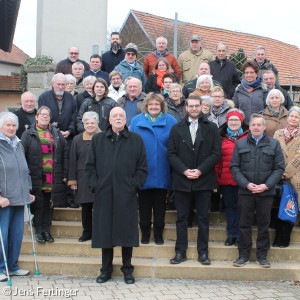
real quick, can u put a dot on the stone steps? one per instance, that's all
(161, 268)
(69, 257)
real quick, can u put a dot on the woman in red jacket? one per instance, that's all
(229, 188)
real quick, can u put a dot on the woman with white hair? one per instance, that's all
(15, 185)
(275, 113)
(76, 178)
(70, 85)
(204, 85)
(289, 139)
(88, 83)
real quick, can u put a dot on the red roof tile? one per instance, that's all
(16, 55)
(285, 57)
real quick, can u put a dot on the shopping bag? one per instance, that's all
(288, 208)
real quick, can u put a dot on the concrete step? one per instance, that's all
(74, 214)
(161, 268)
(216, 232)
(217, 250)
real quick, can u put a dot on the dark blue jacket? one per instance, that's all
(110, 60)
(66, 120)
(98, 74)
(155, 137)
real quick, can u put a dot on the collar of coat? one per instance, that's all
(109, 131)
(265, 139)
(88, 137)
(202, 119)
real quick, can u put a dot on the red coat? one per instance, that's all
(151, 60)
(223, 166)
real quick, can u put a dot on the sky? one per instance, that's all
(273, 19)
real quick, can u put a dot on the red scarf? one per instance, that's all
(289, 133)
(160, 75)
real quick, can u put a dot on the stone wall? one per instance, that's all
(39, 78)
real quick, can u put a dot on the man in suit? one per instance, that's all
(193, 150)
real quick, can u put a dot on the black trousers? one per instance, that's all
(107, 259)
(248, 205)
(87, 218)
(183, 202)
(152, 199)
(43, 213)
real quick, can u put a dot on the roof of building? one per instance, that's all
(16, 56)
(284, 56)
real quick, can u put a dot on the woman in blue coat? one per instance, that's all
(154, 125)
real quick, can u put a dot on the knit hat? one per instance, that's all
(132, 50)
(235, 113)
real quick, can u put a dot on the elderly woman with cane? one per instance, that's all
(15, 185)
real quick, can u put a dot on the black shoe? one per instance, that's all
(263, 262)
(40, 238)
(178, 259)
(145, 239)
(204, 260)
(48, 237)
(84, 238)
(72, 204)
(129, 279)
(241, 261)
(276, 244)
(230, 241)
(158, 236)
(103, 277)
(159, 241)
(236, 242)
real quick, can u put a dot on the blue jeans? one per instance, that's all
(12, 227)
(230, 197)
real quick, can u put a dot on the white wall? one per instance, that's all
(65, 23)
(6, 69)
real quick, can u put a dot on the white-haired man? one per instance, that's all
(160, 51)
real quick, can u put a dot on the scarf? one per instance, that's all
(250, 86)
(14, 142)
(218, 111)
(160, 75)
(234, 135)
(275, 113)
(289, 133)
(152, 120)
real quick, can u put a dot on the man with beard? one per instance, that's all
(115, 55)
(65, 65)
(116, 167)
(194, 148)
(63, 113)
(26, 114)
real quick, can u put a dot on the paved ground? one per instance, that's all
(67, 287)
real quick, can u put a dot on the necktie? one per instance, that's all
(193, 131)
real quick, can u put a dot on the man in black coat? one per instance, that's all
(257, 164)
(224, 71)
(269, 78)
(26, 114)
(115, 55)
(116, 167)
(194, 148)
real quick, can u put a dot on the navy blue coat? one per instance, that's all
(155, 137)
(110, 60)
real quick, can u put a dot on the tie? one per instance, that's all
(193, 131)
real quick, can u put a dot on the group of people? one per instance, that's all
(97, 134)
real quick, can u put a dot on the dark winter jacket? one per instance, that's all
(226, 74)
(178, 111)
(33, 154)
(66, 120)
(65, 66)
(115, 171)
(98, 74)
(110, 60)
(258, 164)
(266, 65)
(24, 120)
(151, 84)
(203, 155)
(101, 107)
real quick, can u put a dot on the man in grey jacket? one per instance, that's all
(257, 164)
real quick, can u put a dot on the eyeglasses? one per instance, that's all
(73, 53)
(206, 105)
(217, 97)
(234, 120)
(153, 104)
(130, 54)
(194, 106)
(44, 115)
(175, 92)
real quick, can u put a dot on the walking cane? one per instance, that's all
(33, 245)
(4, 257)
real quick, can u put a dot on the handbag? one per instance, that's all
(288, 208)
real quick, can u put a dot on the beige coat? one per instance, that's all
(291, 153)
(189, 63)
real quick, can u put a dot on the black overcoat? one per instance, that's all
(33, 154)
(203, 155)
(115, 171)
